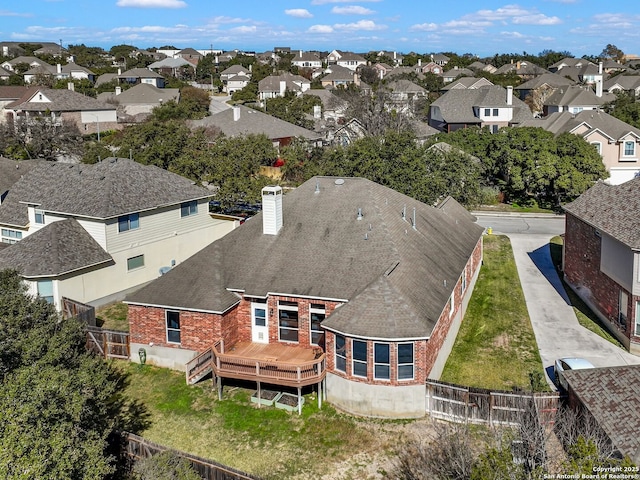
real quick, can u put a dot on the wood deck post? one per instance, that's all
(259, 397)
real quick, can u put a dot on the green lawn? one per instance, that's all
(267, 442)
(496, 346)
(585, 315)
(113, 317)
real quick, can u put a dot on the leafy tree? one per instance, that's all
(166, 465)
(121, 53)
(30, 48)
(293, 108)
(612, 52)
(40, 138)
(626, 108)
(60, 406)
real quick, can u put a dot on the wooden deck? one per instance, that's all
(270, 363)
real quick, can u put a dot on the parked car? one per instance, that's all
(564, 364)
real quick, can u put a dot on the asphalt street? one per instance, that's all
(554, 322)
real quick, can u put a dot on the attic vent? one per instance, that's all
(339, 181)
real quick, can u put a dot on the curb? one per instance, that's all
(548, 216)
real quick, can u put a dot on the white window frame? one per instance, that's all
(48, 296)
(598, 146)
(131, 220)
(623, 306)
(452, 303)
(283, 306)
(377, 363)
(314, 308)
(358, 361)
(10, 236)
(463, 281)
(39, 216)
(188, 209)
(405, 364)
(172, 329)
(637, 329)
(633, 148)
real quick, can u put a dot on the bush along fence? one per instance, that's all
(137, 448)
(461, 404)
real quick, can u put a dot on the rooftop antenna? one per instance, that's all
(414, 218)
(359, 214)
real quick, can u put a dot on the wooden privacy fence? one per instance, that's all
(138, 448)
(108, 343)
(474, 405)
(85, 313)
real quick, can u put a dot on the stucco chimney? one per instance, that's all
(59, 69)
(600, 66)
(356, 79)
(509, 95)
(419, 62)
(119, 71)
(118, 90)
(271, 210)
(283, 87)
(300, 53)
(71, 86)
(236, 113)
(317, 111)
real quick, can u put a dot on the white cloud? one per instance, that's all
(537, 19)
(324, 2)
(320, 29)
(424, 27)
(152, 3)
(7, 13)
(360, 25)
(352, 10)
(245, 29)
(298, 13)
(615, 20)
(221, 19)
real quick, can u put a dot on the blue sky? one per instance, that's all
(480, 27)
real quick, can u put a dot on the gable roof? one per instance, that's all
(602, 391)
(234, 70)
(60, 100)
(337, 72)
(140, 73)
(171, 62)
(12, 92)
(253, 122)
(59, 248)
(613, 209)
(467, 82)
(549, 79)
(5, 73)
(457, 105)
(625, 82)
(576, 95)
(113, 187)
(145, 93)
(396, 279)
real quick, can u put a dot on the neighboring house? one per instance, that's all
(106, 78)
(237, 75)
(617, 142)
(523, 69)
(540, 88)
(141, 75)
(467, 82)
(382, 69)
(9, 94)
(5, 75)
(191, 55)
(333, 107)
(350, 283)
(575, 99)
(607, 397)
(88, 114)
(396, 57)
(337, 76)
(136, 103)
(70, 71)
(601, 256)
(450, 75)
(10, 172)
(172, 67)
(33, 62)
(623, 84)
(91, 233)
(403, 94)
(482, 67)
(431, 67)
(569, 62)
(347, 60)
(492, 107)
(277, 85)
(307, 60)
(439, 59)
(241, 120)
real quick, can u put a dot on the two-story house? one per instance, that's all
(617, 142)
(602, 256)
(344, 59)
(234, 78)
(342, 283)
(488, 106)
(94, 232)
(277, 85)
(307, 60)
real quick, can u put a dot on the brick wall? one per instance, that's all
(582, 256)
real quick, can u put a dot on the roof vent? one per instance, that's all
(359, 214)
(339, 181)
(317, 187)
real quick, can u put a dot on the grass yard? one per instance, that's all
(496, 346)
(586, 317)
(113, 317)
(267, 442)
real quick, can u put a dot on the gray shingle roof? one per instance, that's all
(457, 105)
(61, 100)
(574, 95)
(58, 248)
(253, 122)
(145, 93)
(612, 396)
(107, 189)
(140, 73)
(561, 122)
(613, 209)
(397, 279)
(550, 79)
(13, 170)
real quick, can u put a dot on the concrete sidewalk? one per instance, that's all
(554, 322)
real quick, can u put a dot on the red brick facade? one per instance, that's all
(582, 258)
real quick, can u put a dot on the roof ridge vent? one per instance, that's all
(359, 214)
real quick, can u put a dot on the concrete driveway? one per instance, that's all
(555, 325)
(219, 103)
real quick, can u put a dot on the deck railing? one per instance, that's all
(274, 372)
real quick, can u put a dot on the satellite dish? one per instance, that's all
(339, 181)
